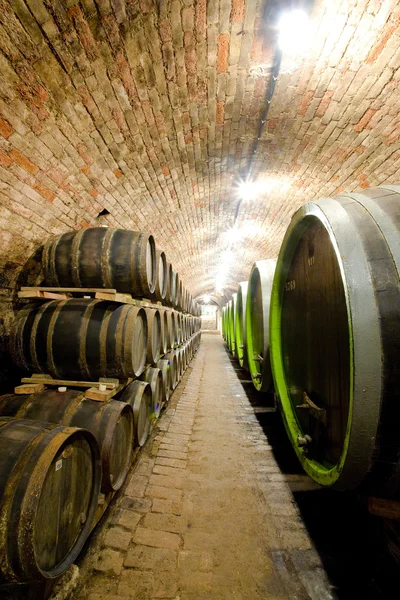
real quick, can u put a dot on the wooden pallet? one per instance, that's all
(54, 293)
(101, 391)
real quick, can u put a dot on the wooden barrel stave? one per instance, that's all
(102, 258)
(80, 339)
(164, 366)
(139, 395)
(111, 426)
(45, 515)
(154, 335)
(153, 376)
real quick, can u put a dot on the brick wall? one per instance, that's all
(149, 110)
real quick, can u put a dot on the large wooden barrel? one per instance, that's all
(101, 257)
(139, 395)
(154, 335)
(46, 513)
(165, 336)
(111, 423)
(173, 366)
(240, 325)
(257, 324)
(80, 339)
(170, 327)
(232, 322)
(165, 368)
(335, 337)
(153, 376)
(175, 289)
(160, 289)
(171, 281)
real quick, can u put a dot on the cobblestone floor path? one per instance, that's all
(206, 512)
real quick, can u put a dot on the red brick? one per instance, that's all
(365, 119)
(223, 53)
(5, 128)
(82, 151)
(117, 173)
(220, 113)
(323, 105)
(380, 44)
(305, 103)
(24, 162)
(201, 19)
(165, 171)
(44, 191)
(237, 12)
(5, 160)
(94, 193)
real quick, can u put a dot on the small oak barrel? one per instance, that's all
(165, 369)
(111, 423)
(335, 338)
(257, 323)
(80, 339)
(154, 335)
(160, 289)
(173, 366)
(153, 376)
(101, 257)
(232, 322)
(240, 325)
(49, 485)
(139, 395)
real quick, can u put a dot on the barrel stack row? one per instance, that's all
(321, 327)
(62, 450)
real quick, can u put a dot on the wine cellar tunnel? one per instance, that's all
(199, 299)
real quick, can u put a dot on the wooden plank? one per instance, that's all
(99, 395)
(388, 509)
(67, 382)
(71, 289)
(42, 295)
(29, 388)
(124, 298)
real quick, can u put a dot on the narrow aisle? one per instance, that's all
(206, 513)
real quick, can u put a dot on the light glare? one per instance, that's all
(294, 32)
(206, 298)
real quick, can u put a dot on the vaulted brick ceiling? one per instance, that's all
(151, 110)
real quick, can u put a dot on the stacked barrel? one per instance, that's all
(60, 448)
(322, 323)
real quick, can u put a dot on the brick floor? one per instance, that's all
(206, 512)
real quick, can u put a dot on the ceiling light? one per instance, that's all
(294, 32)
(206, 298)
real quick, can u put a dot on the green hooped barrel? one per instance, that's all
(335, 338)
(240, 325)
(228, 311)
(231, 325)
(257, 323)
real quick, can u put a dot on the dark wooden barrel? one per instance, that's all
(177, 290)
(160, 289)
(165, 334)
(173, 366)
(257, 324)
(153, 376)
(170, 328)
(335, 337)
(139, 395)
(111, 423)
(101, 257)
(240, 325)
(80, 339)
(46, 514)
(178, 331)
(154, 335)
(170, 293)
(165, 369)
